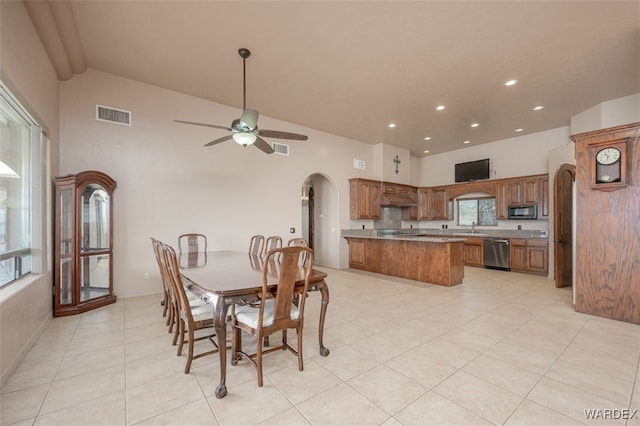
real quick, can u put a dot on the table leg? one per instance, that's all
(220, 323)
(324, 291)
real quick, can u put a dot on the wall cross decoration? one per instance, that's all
(397, 161)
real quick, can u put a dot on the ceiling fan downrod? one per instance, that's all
(244, 54)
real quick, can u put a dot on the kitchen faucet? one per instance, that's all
(473, 226)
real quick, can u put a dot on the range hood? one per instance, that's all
(397, 200)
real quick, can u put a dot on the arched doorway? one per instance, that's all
(320, 219)
(563, 224)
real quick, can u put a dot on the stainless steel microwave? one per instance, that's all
(528, 211)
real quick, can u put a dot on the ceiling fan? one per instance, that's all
(245, 129)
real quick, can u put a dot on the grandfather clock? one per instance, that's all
(607, 274)
(83, 243)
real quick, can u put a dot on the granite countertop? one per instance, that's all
(427, 238)
(440, 234)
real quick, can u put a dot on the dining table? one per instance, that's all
(226, 278)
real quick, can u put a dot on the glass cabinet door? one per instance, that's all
(65, 239)
(95, 242)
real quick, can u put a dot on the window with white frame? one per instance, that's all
(21, 189)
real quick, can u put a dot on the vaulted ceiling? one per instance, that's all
(351, 68)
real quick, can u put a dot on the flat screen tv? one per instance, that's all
(472, 170)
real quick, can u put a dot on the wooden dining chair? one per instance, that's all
(298, 242)
(192, 313)
(256, 246)
(277, 313)
(192, 243)
(273, 242)
(157, 247)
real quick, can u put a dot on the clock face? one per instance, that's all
(608, 155)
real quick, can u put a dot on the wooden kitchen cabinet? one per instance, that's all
(433, 204)
(357, 250)
(408, 212)
(543, 209)
(364, 199)
(411, 213)
(472, 252)
(425, 200)
(440, 207)
(529, 255)
(522, 190)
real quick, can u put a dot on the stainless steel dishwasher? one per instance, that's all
(495, 253)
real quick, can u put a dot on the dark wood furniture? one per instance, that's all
(529, 255)
(431, 260)
(277, 312)
(167, 302)
(435, 203)
(364, 199)
(607, 273)
(83, 243)
(191, 314)
(230, 278)
(473, 255)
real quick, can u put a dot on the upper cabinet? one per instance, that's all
(83, 243)
(523, 190)
(436, 203)
(364, 199)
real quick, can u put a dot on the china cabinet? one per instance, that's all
(83, 242)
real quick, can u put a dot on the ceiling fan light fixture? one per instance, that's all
(244, 138)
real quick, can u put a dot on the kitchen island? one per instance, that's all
(435, 260)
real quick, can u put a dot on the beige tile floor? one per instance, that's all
(503, 348)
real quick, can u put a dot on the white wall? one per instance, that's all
(615, 112)
(520, 156)
(168, 183)
(25, 306)
(385, 156)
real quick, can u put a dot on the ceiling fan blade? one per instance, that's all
(217, 141)
(282, 135)
(203, 124)
(262, 145)
(249, 118)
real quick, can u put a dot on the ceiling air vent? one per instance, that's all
(113, 115)
(281, 149)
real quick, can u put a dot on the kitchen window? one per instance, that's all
(21, 191)
(477, 211)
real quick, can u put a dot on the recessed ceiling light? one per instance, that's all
(474, 125)
(510, 82)
(466, 141)
(519, 130)
(538, 108)
(392, 125)
(426, 152)
(428, 138)
(440, 107)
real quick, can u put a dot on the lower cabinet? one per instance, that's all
(529, 255)
(472, 252)
(357, 253)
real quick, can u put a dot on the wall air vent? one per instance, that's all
(113, 115)
(281, 149)
(359, 164)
